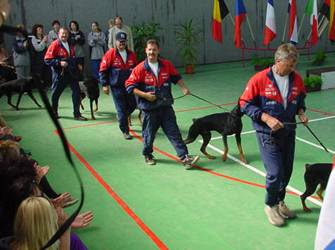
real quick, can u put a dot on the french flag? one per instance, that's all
(240, 14)
(293, 23)
(270, 24)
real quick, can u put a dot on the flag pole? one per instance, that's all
(231, 18)
(301, 22)
(251, 32)
(323, 27)
(285, 26)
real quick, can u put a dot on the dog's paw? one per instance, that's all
(210, 157)
(307, 210)
(224, 158)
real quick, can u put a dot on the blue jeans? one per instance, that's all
(125, 104)
(162, 117)
(277, 152)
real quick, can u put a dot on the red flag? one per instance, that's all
(270, 24)
(240, 13)
(220, 10)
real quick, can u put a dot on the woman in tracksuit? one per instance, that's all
(272, 99)
(115, 68)
(150, 81)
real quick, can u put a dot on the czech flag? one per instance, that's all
(220, 11)
(270, 24)
(325, 233)
(312, 11)
(293, 23)
(240, 15)
(331, 33)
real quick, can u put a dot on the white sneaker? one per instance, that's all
(285, 212)
(274, 216)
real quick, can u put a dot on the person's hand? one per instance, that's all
(61, 215)
(272, 122)
(45, 39)
(4, 9)
(25, 44)
(63, 64)
(186, 91)
(82, 220)
(40, 171)
(80, 67)
(105, 89)
(150, 96)
(303, 118)
(6, 131)
(61, 200)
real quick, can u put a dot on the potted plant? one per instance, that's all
(313, 83)
(188, 37)
(261, 63)
(319, 58)
(141, 34)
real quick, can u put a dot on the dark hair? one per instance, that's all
(55, 22)
(75, 23)
(35, 27)
(97, 24)
(152, 41)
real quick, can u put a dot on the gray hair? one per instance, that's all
(286, 51)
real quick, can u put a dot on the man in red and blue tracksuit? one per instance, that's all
(115, 68)
(272, 99)
(65, 70)
(150, 81)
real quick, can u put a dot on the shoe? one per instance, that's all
(80, 118)
(274, 216)
(285, 212)
(127, 136)
(188, 161)
(149, 159)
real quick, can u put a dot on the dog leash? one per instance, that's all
(311, 131)
(203, 99)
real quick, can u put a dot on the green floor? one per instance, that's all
(218, 206)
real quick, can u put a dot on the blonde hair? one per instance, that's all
(35, 224)
(9, 150)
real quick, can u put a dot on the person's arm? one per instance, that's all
(104, 71)
(101, 39)
(183, 87)
(65, 239)
(149, 96)
(38, 46)
(81, 40)
(18, 49)
(51, 58)
(90, 39)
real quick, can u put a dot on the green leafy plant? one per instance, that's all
(319, 58)
(188, 37)
(261, 63)
(313, 83)
(141, 34)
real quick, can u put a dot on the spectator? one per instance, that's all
(21, 57)
(119, 26)
(53, 34)
(39, 43)
(77, 39)
(96, 41)
(110, 26)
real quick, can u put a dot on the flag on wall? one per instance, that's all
(270, 24)
(220, 11)
(331, 33)
(240, 14)
(293, 23)
(312, 11)
(325, 233)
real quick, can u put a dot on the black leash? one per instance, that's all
(179, 97)
(310, 130)
(200, 98)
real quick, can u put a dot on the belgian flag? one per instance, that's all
(220, 11)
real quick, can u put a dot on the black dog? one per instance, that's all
(19, 86)
(315, 174)
(90, 88)
(227, 123)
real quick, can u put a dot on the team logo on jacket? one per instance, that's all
(165, 76)
(149, 79)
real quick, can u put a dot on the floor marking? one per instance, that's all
(257, 171)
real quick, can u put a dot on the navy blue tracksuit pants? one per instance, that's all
(162, 117)
(57, 89)
(277, 152)
(125, 104)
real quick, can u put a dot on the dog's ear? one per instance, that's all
(194, 120)
(307, 166)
